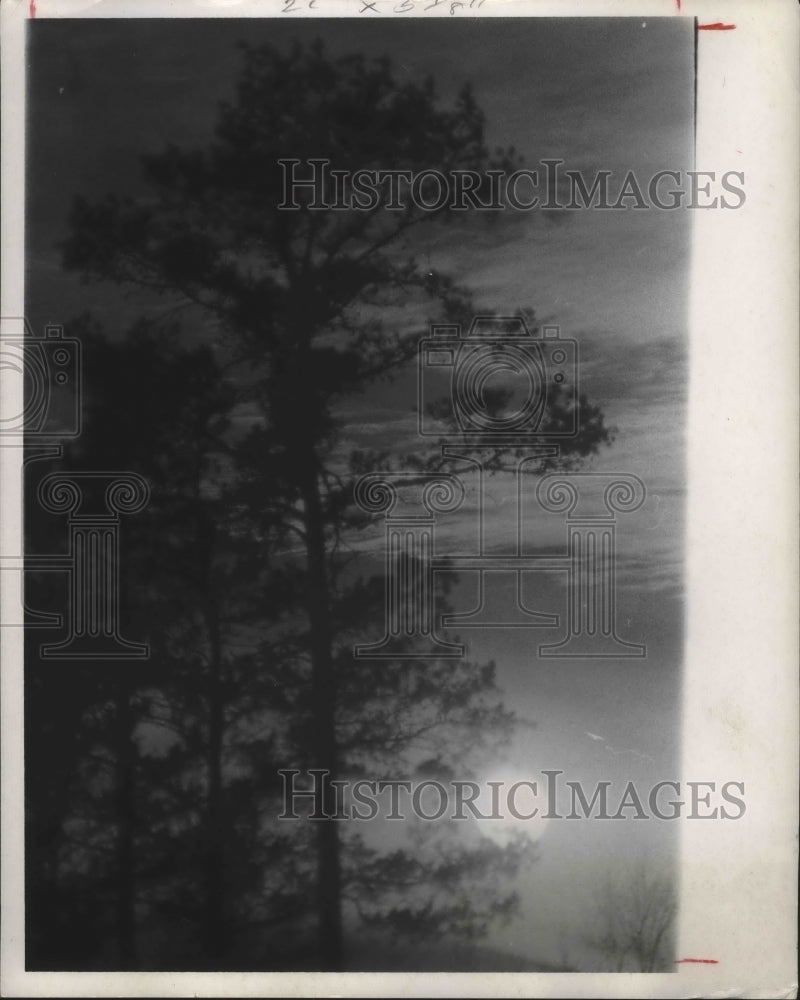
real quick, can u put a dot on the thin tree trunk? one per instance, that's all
(215, 941)
(324, 749)
(214, 938)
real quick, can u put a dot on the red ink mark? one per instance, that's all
(32, 8)
(716, 26)
(699, 961)
(679, 5)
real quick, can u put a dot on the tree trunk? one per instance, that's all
(324, 749)
(125, 809)
(214, 929)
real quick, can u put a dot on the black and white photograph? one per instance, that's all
(353, 600)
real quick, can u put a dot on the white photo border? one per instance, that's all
(737, 900)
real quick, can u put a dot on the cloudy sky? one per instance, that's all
(613, 94)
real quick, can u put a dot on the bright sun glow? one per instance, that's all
(506, 790)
